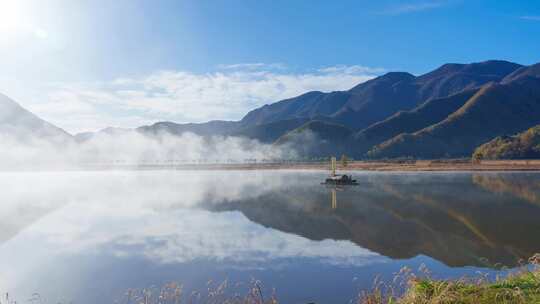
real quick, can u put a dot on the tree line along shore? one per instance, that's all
(345, 165)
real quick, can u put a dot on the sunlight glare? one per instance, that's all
(10, 16)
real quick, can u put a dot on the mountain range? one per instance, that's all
(447, 112)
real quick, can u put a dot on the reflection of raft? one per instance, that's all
(335, 179)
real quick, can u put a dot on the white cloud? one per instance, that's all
(183, 96)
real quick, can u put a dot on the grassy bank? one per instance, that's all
(521, 287)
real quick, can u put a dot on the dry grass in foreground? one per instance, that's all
(521, 287)
(174, 293)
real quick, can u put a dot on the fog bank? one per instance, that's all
(134, 148)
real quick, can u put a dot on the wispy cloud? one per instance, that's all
(183, 96)
(252, 66)
(351, 70)
(530, 17)
(412, 7)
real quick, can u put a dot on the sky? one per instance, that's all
(89, 64)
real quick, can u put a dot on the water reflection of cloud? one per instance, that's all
(187, 235)
(153, 215)
(28, 196)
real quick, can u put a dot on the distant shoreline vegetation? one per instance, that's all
(399, 164)
(524, 145)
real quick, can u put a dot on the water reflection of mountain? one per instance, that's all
(446, 217)
(523, 186)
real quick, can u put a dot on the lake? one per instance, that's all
(88, 237)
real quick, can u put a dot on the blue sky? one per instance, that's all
(128, 62)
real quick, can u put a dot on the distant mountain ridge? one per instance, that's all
(20, 124)
(378, 98)
(447, 112)
(497, 109)
(375, 111)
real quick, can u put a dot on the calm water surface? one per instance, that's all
(87, 237)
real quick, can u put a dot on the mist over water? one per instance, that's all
(134, 148)
(154, 218)
(67, 234)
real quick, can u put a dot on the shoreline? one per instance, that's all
(376, 166)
